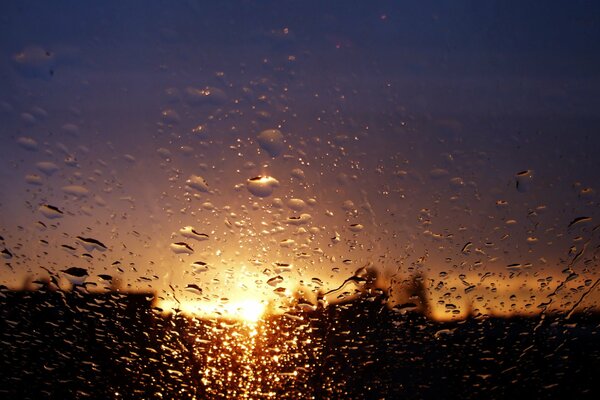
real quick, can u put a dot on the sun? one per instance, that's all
(249, 310)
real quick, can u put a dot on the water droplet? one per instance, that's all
(28, 118)
(287, 243)
(197, 183)
(306, 306)
(208, 95)
(91, 244)
(348, 205)
(71, 129)
(262, 186)
(190, 233)
(438, 173)
(71, 161)
(298, 174)
(164, 153)
(68, 248)
(523, 180)
(356, 227)
(271, 140)
(275, 281)
(336, 239)
(170, 116)
(296, 204)
(76, 271)
(277, 203)
(193, 288)
(76, 191)
(187, 150)
(50, 212)
(301, 220)
(445, 331)
(27, 143)
(181, 248)
(467, 248)
(199, 266)
(33, 179)
(6, 254)
(35, 62)
(208, 205)
(47, 167)
(457, 182)
(281, 267)
(579, 220)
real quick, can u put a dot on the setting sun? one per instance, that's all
(249, 310)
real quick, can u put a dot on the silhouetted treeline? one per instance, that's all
(65, 345)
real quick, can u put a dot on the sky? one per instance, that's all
(452, 140)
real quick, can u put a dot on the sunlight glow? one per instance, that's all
(247, 310)
(250, 310)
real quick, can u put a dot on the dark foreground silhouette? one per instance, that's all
(72, 345)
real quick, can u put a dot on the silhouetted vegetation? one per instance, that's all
(57, 344)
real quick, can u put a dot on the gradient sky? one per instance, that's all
(404, 127)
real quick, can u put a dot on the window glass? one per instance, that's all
(299, 200)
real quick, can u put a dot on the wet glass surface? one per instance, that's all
(299, 200)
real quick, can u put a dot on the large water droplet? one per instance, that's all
(190, 233)
(50, 212)
(91, 244)
(262, 186)
(301, 220)
(281, 267)
(271, 140)
(275, 281)
(199, 266)
(298, 174)
(181, 248)
(76, 190)
(33, 179)
(35, 62)
(27, 143)
(76, 271)
(287, 243)
(438, 173)
(193, 288)
(47, 167)
(523, 180)
(170, 116)
(208, 95)
(296, 204)
(197, 183)
(356, 227)
(6, 254)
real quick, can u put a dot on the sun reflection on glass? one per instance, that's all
(259, 356)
